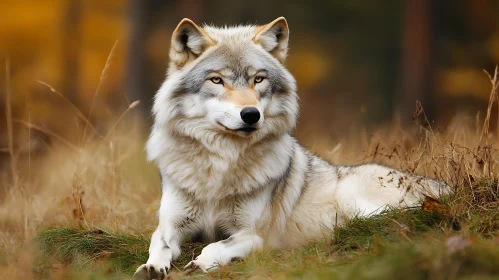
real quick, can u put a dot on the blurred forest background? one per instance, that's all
(72, 133)
(357, 63)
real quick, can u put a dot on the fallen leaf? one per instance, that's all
(434, 206)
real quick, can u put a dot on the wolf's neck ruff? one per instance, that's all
(211, 174)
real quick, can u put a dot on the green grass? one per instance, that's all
(96, 249)
(362, 233)
(396, 244)
(84, 248)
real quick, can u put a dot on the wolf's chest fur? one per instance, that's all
(233, 170)
(210, 220)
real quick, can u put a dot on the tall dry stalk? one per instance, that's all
(28, 186)
(101, 79)
(130, 107)
(495, 86)
(48, 132)
(79, 114)
(8, 116)
(492, 98)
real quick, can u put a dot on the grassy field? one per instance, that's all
(86, 210)
(398, 244)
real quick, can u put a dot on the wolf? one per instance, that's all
(232, 173)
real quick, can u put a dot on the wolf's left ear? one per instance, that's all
(188, 42)
(273, 37)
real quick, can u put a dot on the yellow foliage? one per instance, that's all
(32, 33)
(310, 65)
(462, 82)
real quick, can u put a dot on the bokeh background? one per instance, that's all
(72, 133)
(357, 63)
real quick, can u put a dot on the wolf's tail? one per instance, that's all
(434, 188)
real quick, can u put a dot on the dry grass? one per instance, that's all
(85, 210)
(8, 117)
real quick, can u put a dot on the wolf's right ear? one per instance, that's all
(188, 42)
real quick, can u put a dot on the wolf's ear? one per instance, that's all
(273, 37)
(188, 42)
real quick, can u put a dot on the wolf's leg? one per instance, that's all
(163, 249)
(165, 241)
(223, 252)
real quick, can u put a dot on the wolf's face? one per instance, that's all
(228, 82)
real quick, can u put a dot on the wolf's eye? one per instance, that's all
(217, 80)
(258, 79)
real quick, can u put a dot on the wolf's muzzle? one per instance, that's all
(250, 115)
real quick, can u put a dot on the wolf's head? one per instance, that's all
(227, 83)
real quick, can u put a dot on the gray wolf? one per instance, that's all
(231, 171)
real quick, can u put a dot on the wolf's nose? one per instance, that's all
(250, 115)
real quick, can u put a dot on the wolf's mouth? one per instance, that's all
(247, 129)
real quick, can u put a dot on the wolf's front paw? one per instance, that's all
(151, 271)
(205, 264)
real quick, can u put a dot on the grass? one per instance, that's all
(121, 253)
(67, 244)
(396, 244)
(93, 220)
(456, 238)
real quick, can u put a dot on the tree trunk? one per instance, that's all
(416, 76)
(71, 51)
(136, 76)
